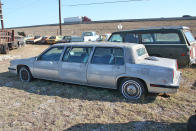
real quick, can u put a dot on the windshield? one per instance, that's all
(189, 36)
(87, 34)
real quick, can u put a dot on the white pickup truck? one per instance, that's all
(90, 36)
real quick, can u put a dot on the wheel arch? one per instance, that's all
(20, 66)
(121, 78)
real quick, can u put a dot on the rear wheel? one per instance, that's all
(132, 89)
(25, 74)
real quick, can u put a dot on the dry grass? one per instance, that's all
(46, 105)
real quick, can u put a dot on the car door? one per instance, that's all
(105, 66)
(74, 65)
(46, 66)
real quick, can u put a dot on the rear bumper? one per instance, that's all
(193, 61)
(173, 88)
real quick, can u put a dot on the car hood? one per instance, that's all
(23, 61)
(161, 62)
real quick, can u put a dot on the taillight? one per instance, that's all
(189, 53)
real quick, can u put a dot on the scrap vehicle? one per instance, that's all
(33, 40)
(54, 39)
(175, 42)
(90, 36)
(126, 67)
(66, 39)
(7, 41)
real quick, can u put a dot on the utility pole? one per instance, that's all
(60, 27)
(1, 15)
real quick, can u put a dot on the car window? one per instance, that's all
(108, 56)
(52, 54)
(167, 38)
(116, 38)
(147, 38)
(77, 54)
(189, 36)
(131, 38)
(141, 51)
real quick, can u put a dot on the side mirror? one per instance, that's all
(36, 58)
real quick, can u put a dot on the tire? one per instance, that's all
(5, 49)
(132, 89)
(25, 74)
(192, 123)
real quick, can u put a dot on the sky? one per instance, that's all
(18, 13)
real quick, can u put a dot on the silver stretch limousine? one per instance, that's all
(126, 67)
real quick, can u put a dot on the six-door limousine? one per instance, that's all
(126, 67)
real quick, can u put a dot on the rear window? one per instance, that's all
(141, 51)
(167, 38)
(189, 36)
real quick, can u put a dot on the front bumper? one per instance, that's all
(12, 70)
(172, 88)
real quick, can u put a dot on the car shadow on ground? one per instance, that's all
(69, 91)
(131, 126)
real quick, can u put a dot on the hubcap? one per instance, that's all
(131, 90)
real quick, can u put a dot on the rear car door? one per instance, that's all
(46, 66)
(106, 64)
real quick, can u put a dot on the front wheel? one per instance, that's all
(25, 74)
(132, 89)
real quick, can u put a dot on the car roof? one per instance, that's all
(158, 28)
(100, 44)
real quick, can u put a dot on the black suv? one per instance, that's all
(175, 42)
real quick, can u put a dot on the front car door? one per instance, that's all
(74, 64)
(47, 64)
(106, 64)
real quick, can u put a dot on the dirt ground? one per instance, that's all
(46, 105)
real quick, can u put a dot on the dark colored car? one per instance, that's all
(175, 42)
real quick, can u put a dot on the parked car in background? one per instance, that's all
(90, 36)
(126, 67)
(54, 39)
(42, 40)
(33, 40)
(66, 39)
(30, 36)
(175, 42)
